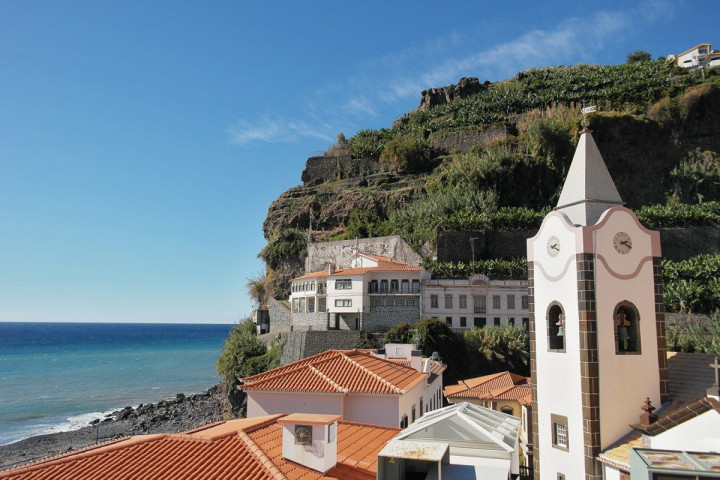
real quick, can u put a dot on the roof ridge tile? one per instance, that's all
(394, 388)
(261, 456)
(336, 386)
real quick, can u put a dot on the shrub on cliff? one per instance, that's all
(283, 245)
(404, 155)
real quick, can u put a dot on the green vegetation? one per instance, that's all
(478, 352)
(287, 243)
(404, 155)
(244, 355)
(692, 285)
(695, 337)
(639, 56)
(510, 268)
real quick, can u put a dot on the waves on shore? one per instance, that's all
(48, 426)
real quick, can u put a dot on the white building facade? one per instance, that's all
(373, 294)
(476, 302)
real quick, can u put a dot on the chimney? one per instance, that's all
(427, 365)
(648, 417)
(310, 440)
(331, 268)
(416, 360)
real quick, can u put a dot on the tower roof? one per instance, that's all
(589, 189)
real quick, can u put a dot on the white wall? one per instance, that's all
(270, 403)
(558, 373)
(699, 434)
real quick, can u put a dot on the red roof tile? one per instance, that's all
(338, 371)
(436, 368)
(348, 272)
(490, 386)
(245, 449)
(382, 259)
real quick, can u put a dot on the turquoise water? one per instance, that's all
(60, 376)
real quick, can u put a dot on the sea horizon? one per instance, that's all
(59, 376)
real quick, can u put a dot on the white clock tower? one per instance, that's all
(597, 331)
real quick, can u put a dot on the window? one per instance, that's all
(403, 422)
(405, 286)
(344, 284)
(496, 302)
(525, 302)
(410, 302)
(560, 476)
(322, 303)
(463, 322)
(321, 288)
(383, 286)
(448, 301)
(413, 414)
(421, 406)
(496, 321)
(394, 286)
(526, 323)
(295, 305)
(416, 286)
(511, 302)
(507, 410)
(556, 327)
(343, 302)
(479, 322)
(511, 321)
(449, 320)
(399, 302)
(463, 301)
(311, 305)
(479, 304)
(373, 286)
(559, 431)
(627, 328)
(433, 301)
(301, 305)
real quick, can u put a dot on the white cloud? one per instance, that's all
(275, 129)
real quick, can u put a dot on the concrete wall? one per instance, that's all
(299, 345)
(698, 434)
(340, 253)
(330, 168)
(372, 409)
(463, 141)
(677, 243)
(279, 316)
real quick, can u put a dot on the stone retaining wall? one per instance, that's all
(340, 253)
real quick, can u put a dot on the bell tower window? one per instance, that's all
(626, 324)
(556, 328)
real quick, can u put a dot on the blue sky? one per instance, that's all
(141, 142)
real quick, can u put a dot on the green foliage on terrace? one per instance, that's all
(509, 268)
(692, 285)
(629, 87)
(282, 245)
(679, 215)
(695, 336)
(405, 155)
(244, 354)
(501, 348)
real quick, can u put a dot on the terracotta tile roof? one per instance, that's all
(249, 449)
(618, 454)
(349, 272)
(338, 371)
(489, 386)
(689, 375)
(680, 414)
(436, 368)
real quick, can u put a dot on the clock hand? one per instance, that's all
(555, 247)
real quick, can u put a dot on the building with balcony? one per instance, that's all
(700, 57)
(476, 302)
(372, 294)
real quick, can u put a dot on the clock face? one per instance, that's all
(622, 243)
(303, 435)
(553, 246)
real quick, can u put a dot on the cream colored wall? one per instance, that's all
(558, 373)
(372, 409)
(269, 403)
(625, 379)
(699, 434)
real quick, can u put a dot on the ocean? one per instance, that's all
(60, 376)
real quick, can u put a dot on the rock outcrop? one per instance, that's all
(465, 87)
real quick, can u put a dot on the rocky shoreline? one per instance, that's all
(182, 413)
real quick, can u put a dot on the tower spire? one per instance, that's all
(589, 189)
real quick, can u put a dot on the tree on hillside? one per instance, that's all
(501, 348)
(244, 355)
(639, 56)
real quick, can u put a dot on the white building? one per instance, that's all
(360, 386)
(699, 57)
(373, 294)
(596, 321)
(476, 302)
